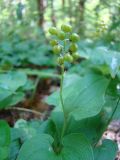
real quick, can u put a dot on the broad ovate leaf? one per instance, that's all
(92, 127)
(107, 151)
(4, 140)
(30, 129)
(9, 85)
(103, 57)
(12, 80)
(112, 100)
(82, 99)
(75, 147)
(12, 100)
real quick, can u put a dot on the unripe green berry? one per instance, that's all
(66, 28)
(68, 58)
(57, 49)
(75, 56)
(73, 47)
(53, 42)
(60, 60)
(61, 35)
(53, 31)
(74, 37)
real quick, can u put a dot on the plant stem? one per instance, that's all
(62, 103)
(61, 96)
(111, 117)
(64, 46)
(61, 87)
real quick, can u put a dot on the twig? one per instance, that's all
(26, 110)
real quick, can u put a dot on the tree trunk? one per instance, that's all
(53, 19)
(70, 11)
(80, 19)
(82, 8)
(41, 9)
(63, 4)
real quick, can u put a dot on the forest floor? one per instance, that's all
(35, 108)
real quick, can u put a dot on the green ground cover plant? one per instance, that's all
(59, 87)
(84, 106)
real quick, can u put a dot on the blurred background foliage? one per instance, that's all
(87, 16)
(24, 38)
(24, 25)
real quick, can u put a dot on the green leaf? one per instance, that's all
(107, 151)
(112, 100)
(82, 99)
(24, 131)
(30, 129)
(109, 107)
(4, 140)
(92, 127)
(12, 100)
(9, 88)
(41, 58)
(12, 80)
(75, 147)
(36, 147)
(4, 93)
(14, 149)
(15, 143)
(58, 122)
(101, 57)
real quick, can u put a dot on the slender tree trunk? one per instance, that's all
(82, 8)
(70, 11)
(53, 19)
(80, 19)
(41, 8)
(63, 4)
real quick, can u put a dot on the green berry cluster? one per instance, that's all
(64, 43)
